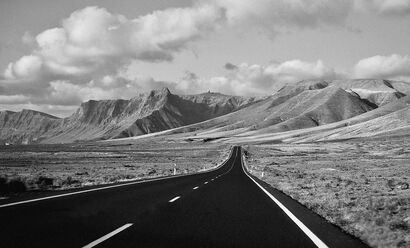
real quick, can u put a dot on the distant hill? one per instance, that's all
(25, 126)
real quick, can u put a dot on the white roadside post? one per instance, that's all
(175, 169)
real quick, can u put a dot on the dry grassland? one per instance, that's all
(361, 186)
(55, 167)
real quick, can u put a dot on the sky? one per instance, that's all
(55, 54)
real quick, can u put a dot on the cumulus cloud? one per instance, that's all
(384, 67)
(92, 41)
(28, 67)
(258, 80)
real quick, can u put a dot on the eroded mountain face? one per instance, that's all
(25, 126)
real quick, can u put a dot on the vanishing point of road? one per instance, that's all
(225, 207)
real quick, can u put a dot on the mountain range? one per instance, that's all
(150, 112)
(310, 110)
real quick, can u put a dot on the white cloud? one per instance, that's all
(384, 67)
(92, 41)
(27, 67)
(258, 80)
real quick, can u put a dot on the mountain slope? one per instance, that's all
(376, 91)
(25, 126)
(389, 119)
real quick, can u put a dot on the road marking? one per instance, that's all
(112, 186)
(174, 199)
(212, 179)
(195, 187)
(205, 182)
(105, 237)
(319, 243)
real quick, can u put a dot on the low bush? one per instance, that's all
(44, 182)
(15, 185)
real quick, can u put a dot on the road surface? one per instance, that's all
(221, 208)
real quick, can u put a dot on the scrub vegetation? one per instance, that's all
(360, 185)
(57, 167)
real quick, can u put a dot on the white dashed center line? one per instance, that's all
(195, 187)
(105, 237)
(174, 199)
(205, 182)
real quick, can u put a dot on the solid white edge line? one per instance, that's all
(112, 186)
(174, 199)
(107, 236)
(319, 243)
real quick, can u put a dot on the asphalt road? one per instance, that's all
(220, 208)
